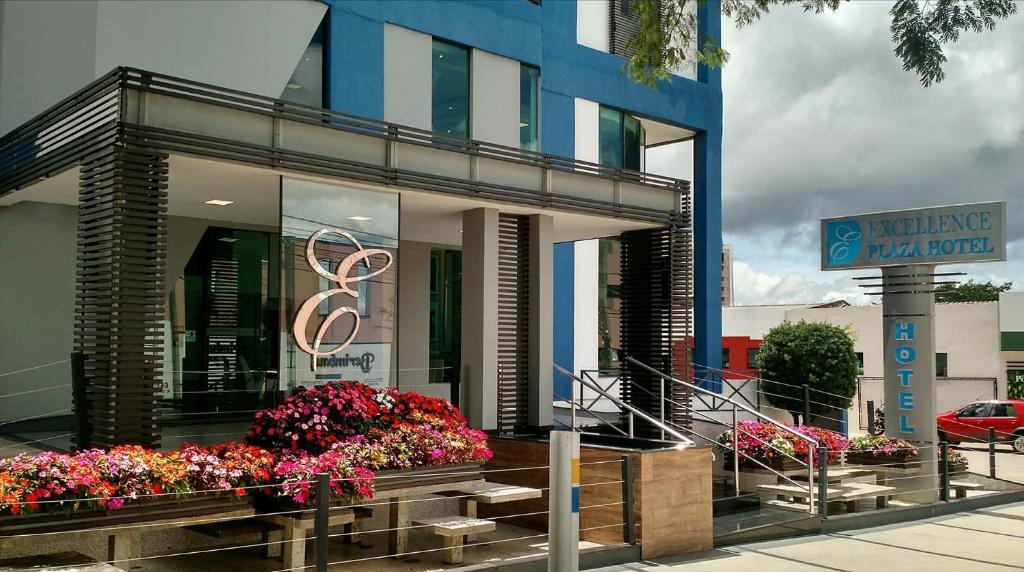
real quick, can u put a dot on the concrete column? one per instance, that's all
(908, 322)
(541, 312)
(480, 316)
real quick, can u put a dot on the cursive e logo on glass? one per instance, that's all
(844, 241)
(342, 279)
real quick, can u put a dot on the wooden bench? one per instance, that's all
(452, 529)
(961, 488)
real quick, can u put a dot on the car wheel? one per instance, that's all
(1018, 443)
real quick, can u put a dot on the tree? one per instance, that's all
(668, 36)
(971, 291)
(818, 354)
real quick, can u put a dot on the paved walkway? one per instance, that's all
(986, 539)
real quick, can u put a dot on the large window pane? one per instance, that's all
(340, 253)
(631, 141)
(529, 80)
(610, 137)
(306, 85)
(450, 87)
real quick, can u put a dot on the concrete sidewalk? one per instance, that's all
(986, 539)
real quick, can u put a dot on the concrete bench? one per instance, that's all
(58, 562)
(452, 529)
(490, 493)
(961, 488)
(853, 493)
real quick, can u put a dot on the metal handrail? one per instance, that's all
(739, 405)
(594, 415)
(631, 409)
(811, 448)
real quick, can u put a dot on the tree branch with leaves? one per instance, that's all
(669, 34)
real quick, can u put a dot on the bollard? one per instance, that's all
(822, 482)
(944, 470)
(807, 405)
(628, 510)
(564, 502)
(321, 526)
(992, 452)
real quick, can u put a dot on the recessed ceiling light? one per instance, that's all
(293, 85)
(226, 239)
(219, 202)
(521, 124)
(359, 218)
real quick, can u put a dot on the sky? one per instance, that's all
(821, 120)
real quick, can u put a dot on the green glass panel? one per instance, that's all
(610, 137)
(529, 84)
(1011, 341)
(450, 89)
(632, 137)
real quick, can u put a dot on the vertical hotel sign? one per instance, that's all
(907, 245)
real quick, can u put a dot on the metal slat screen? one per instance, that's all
(122, 229)
(623, 26)
(513, 325)
(656, 315)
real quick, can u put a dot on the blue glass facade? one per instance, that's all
(544, 36)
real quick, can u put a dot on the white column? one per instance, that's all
(564, 502)
(541, 328)
(480, 316)
(585, 339)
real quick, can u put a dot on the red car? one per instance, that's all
(971, 422)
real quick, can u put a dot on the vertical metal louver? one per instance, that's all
(656, 314)
(122, 230)
(513, 325)
(222, 341)
(623, 26)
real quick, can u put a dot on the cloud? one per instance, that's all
(821, 120)
(757, 287)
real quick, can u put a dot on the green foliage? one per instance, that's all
(818, 354)
(970, 291)
(668, 37)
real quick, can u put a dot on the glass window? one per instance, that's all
(1003, 410)
(450, 89)
(529, 89)
(610, 137)
(306, 86)
(631, 141)
(941, 365)
(973, 410)
(725, 359)
(620, 137)
(346, 239)
(752, 357)
(609, 302)
(860, 363)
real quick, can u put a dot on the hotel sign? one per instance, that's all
(935, 235)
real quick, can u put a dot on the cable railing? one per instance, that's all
(630, 410)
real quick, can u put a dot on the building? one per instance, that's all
(728, 292)
(978, 354)
(209, 204)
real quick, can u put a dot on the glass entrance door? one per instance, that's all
(225, 311)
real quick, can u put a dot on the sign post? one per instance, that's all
(906, 246)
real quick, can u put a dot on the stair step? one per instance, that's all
(786, 505)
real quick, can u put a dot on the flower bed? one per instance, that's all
(345, 429)
(777, 448)
(98, 480)
(882, 450)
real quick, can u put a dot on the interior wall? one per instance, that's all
(414, 320)
(38, 250)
